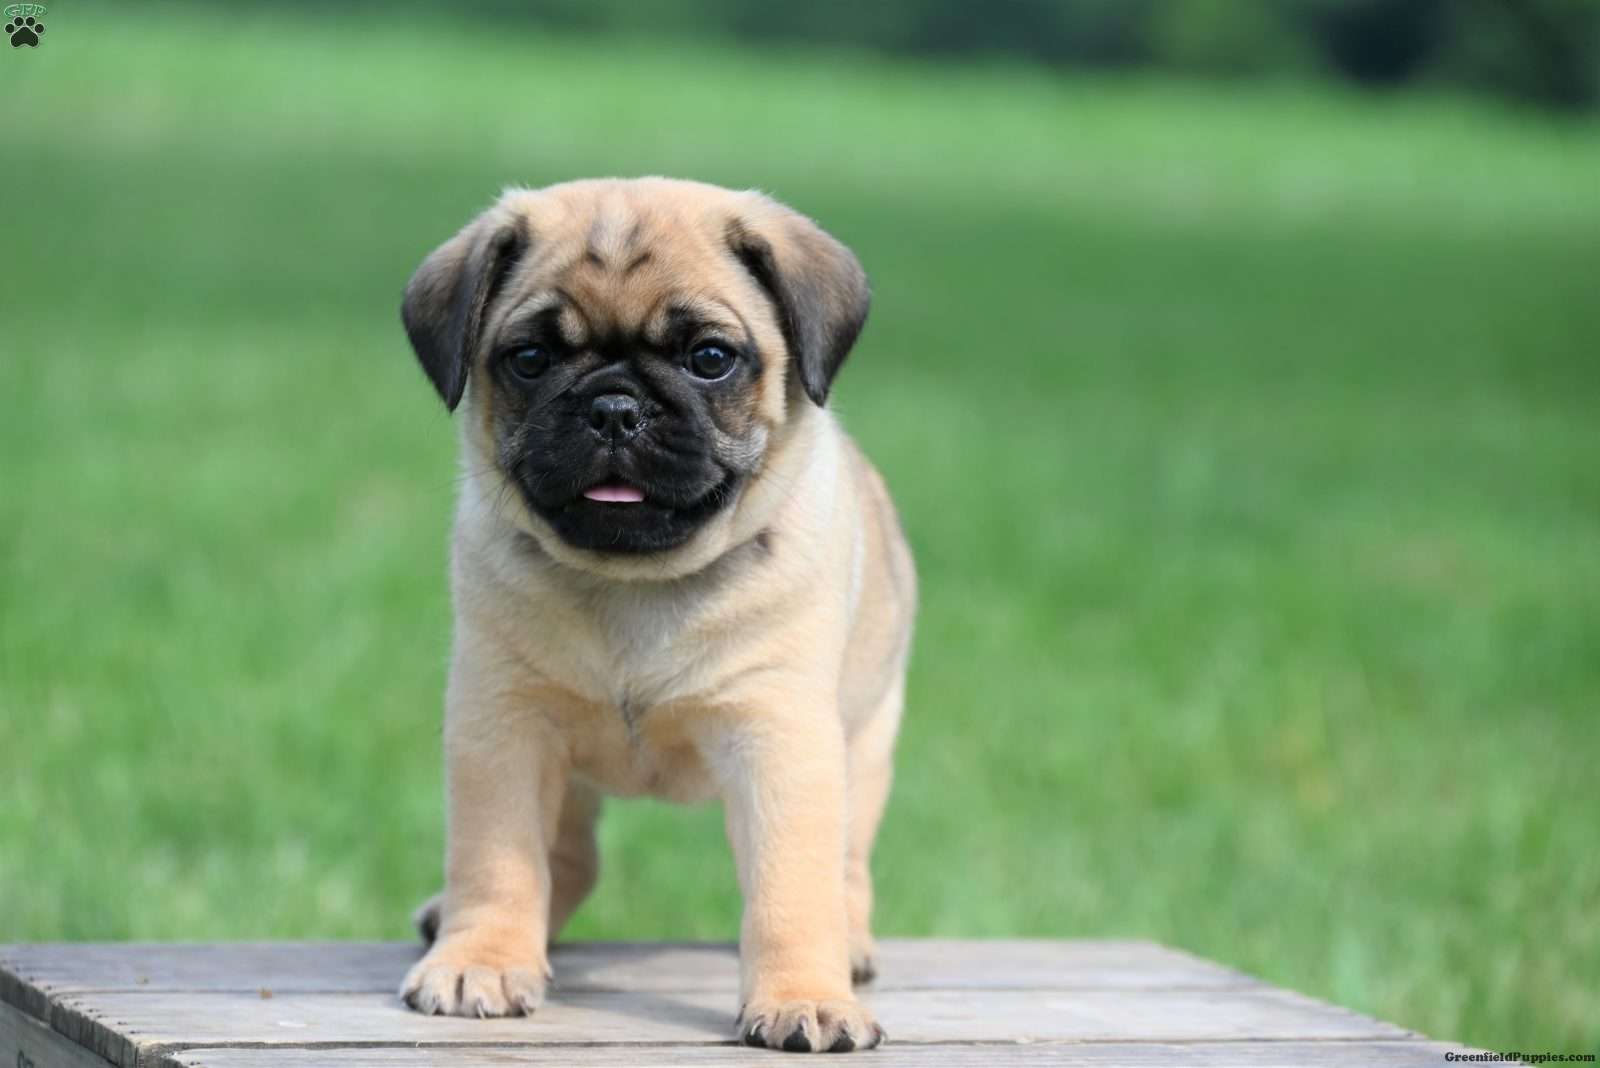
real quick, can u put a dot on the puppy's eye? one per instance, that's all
(711, 360)
(529, 363)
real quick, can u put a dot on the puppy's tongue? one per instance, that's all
(617, 494)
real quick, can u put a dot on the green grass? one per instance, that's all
(1248, 441)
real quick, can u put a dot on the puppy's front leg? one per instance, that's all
(505, 775)
(781, 767)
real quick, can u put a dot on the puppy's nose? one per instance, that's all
(614, 416)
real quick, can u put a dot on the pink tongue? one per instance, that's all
(614, 494)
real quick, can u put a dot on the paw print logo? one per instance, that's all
(22, 27)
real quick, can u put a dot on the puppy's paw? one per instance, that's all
(863, 961)
(479, 972)
(836, 1025)
(426, 918)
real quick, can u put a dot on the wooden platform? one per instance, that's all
(943, 1003)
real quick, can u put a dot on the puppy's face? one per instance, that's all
(630, 350)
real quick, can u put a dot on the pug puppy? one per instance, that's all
(673, 575)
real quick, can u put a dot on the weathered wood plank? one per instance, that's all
(376, 967)
(149, 1020)
(28, 1043)
(1085, 1055)
(950, 1003)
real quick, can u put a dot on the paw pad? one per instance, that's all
(24, 30)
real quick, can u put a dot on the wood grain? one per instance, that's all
(376, 967)
(649, 1017)
(943, 1002)
(1086, 1055)
(28, 1043)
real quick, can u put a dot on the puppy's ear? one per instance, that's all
(446, 299)
(817, 285)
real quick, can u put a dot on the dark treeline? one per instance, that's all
(1542, 51)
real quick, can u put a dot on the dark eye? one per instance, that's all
(529, 363)
(710, 360)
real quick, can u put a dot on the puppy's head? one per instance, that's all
(632, 353)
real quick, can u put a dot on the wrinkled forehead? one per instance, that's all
(615, 268)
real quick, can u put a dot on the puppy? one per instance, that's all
(673, 575)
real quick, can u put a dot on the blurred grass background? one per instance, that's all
(1247, 438)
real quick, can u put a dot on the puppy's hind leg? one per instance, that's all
(575, 858)
(869, 762)
(574, 865)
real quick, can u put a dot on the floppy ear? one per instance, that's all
(445, 300)
(817, 285)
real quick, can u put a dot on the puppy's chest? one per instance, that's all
(650, 651)
(638, 670)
